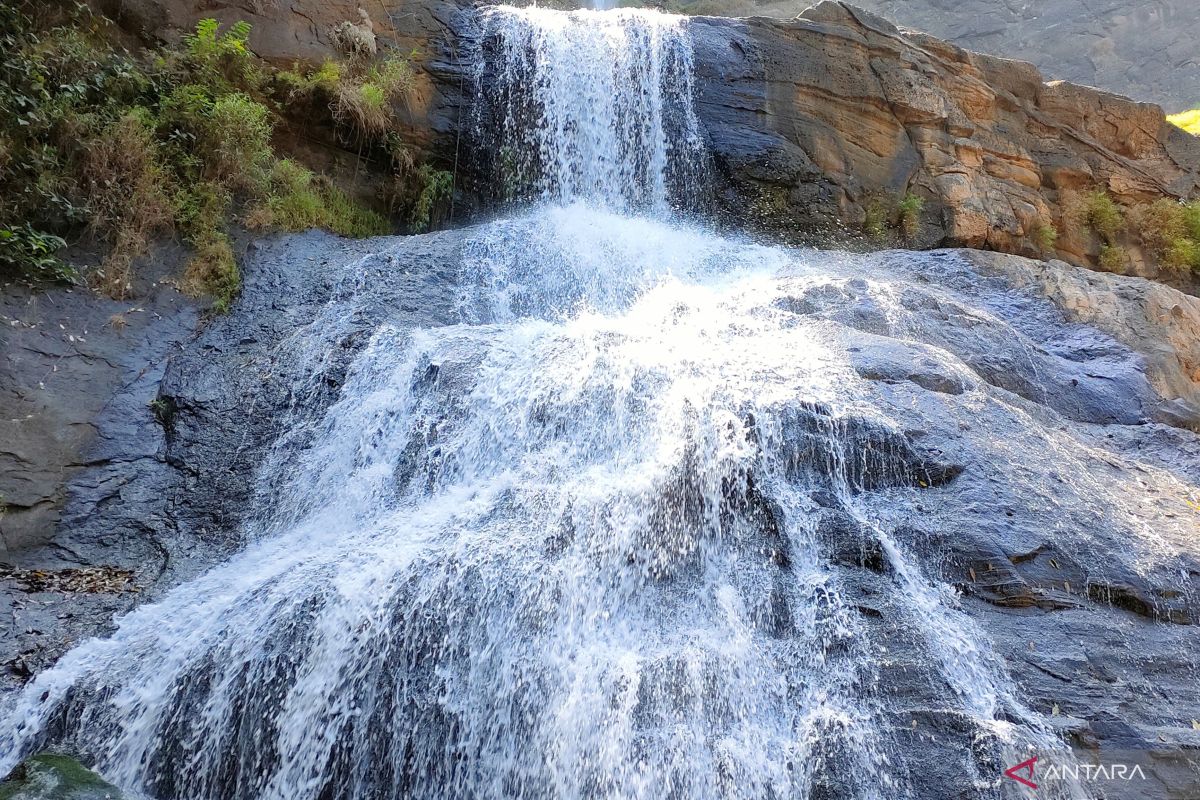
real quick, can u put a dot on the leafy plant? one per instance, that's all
(1101, 213)
(1045, 236)
(437, 187)
(32, 253)
(909, 209)
(95, 140)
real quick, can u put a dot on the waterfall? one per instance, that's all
(594, 540)
(590, 105)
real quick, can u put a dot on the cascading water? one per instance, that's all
(590, 105)
(589, 542)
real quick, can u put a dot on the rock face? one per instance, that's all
(814, 123)
(1091, 609)
(74, 364)
(154, 486)
(1146, 50)
(49, 776)
(814, 119)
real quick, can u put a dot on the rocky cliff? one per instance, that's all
(816, 125)
(977, 343)
(1145, 50)
(814, 118)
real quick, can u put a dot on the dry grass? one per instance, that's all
(126, 190)
(213, 271)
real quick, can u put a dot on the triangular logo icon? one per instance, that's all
(1027, 768)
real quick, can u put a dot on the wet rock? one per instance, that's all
(50, 776)
(891, 362)
(856, 452)
(1160, 323)
(848, 542)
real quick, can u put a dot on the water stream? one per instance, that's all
(579, 544)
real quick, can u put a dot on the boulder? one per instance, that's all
(51, 776)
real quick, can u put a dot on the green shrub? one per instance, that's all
(909, 210)
(1101, 213)
(128, 193)
(875, 218)
(30, 253)
(237, 141)
(1183, 254)
(213, 271)
(437, 188)
(323, 79)
(1045, 236)
(1170, 231)
(127, 147)
(222, 60)
(1113, 258)
(298, 200)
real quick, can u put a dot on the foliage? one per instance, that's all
(1113, 258)
(1099, 212)
(1170, 232)
(213, 271)
(94, 140)
(237, 143)
(298, 200)
(437, 187)
(31, 251)
(300, 84)
(885, 211)
(875, 218)
(222, 60)
(909, 209)
(1045, 236)
(1188, 120)
(126, 188)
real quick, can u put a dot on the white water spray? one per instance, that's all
(574, 546)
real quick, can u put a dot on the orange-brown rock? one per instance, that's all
(829, 110)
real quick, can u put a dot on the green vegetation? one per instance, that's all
(875, 218)
(1099, 212)
(95, 141)
(1170, 232)
(55, 777)
(1188, 120)
(1113, 257)
(24, 249)
(299, 200)
(886, 212)
(909, 209)
(361, 96)
(1045, 236)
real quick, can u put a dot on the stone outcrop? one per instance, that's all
(812, 120)
(967, 350)
(1158, 322)
(1146, 50)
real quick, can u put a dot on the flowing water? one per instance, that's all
(575, 546)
